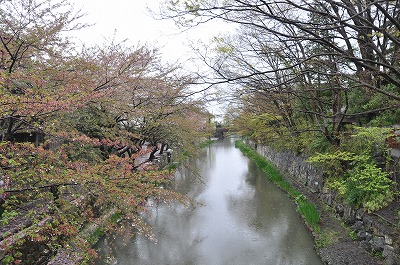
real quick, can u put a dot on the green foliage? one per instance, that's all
(6, 216)
(326, 238)
(378, 254)
(354, 172)
(261, 127)
(85, 153)
(316, 143)
(387, 118)
(93, 121)
(8, 259)
(333, 163)
(353, 235)
(367, 140)
(266, 127)
(273, 130)
(309, 211)
(116, 217)
(206, 143)
(332, 160)
(364, 102)
(223, 45)
(94, 237)
(368, 186)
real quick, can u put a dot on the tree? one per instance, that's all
(38, 76)
(305, 72)
(95, 108)
(317, 55)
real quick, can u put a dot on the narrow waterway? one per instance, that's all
(240, 218)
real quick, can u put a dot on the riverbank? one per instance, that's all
(333, 242)
(237, 217)
(336, 242)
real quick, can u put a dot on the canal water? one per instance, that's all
(240, 217)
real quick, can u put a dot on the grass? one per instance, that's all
(305, 208)
(206, 143)
(309, 212)
(96, 235)
(100, 231)
(326, 238)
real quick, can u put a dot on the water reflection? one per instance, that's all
(240, 218)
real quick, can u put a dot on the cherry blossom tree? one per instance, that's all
(93, 109)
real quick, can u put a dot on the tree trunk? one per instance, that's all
(152, 154)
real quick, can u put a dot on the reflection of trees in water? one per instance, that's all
(189, 180)
(112, 246)
(246, 220)
(262, 207)
(174, 235)
(268, 211)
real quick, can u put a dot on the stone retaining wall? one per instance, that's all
(374, 233)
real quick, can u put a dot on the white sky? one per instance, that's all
(131, 20)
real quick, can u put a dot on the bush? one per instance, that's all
(368, 186)
(353, 169)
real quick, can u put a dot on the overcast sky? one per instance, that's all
(131, 20)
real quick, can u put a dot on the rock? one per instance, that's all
(369, 237)
(327, 198)
(367, 223)
(349, 253)
(365, 245)
(390, 261)
(340, 210)
(377, 244)
(388, 240)
(349, 216)
(362, 235)
(359, 214)
(388, 254)
(387, 251)
(357, 226)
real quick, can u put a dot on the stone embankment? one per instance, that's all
(355, 236)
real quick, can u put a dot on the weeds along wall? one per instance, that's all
(375, 234)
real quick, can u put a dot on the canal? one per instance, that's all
(240, 217)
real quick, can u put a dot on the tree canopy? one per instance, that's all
(77, 127)
(329, 63)
(311, 76)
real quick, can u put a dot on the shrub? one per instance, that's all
(353, 169)
(368, 186)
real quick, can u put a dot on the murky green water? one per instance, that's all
(241, 218)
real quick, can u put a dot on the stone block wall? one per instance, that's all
(373, 233)
(295, 167)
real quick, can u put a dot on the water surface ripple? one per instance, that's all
(240, 218)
